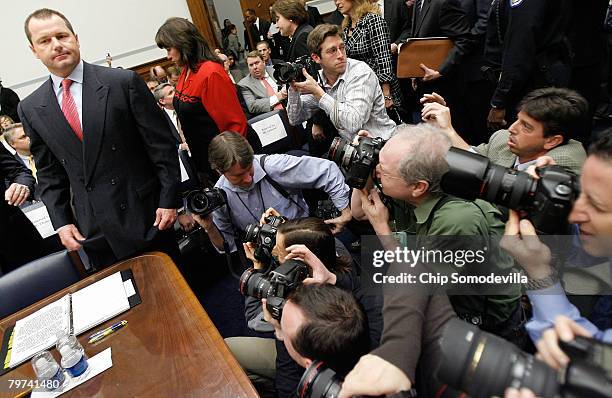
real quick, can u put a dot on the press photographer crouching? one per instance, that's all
(253, 184)
(300, 244)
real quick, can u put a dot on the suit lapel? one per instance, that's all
(258, 87)
(95, 96)
(58, 127)
(422, 14)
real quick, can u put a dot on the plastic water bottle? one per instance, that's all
(49, 374)
(74, 359)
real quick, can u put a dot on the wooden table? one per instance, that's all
(170, 347)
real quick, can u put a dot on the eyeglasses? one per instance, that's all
(334, 50)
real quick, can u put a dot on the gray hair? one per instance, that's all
(424, 147)
(9, 132)
(227, 149)
(158, 92)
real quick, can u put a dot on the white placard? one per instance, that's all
(39, 216)
(270, 130)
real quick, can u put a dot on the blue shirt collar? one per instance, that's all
(76, 76)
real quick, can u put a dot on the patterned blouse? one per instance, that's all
(369, 42)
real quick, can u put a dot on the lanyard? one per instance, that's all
(263, 205)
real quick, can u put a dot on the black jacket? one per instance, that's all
(256, 34)
(298, 46)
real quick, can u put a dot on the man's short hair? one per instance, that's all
(318, 36)
(291, 10)
(424, 147)
(335, 330)
(254, 54)
(263, 42)
(173, 71)
(560, 110)
(9, 132)
(44, 13)
(158, 92)
(602, 146)
(227, 149)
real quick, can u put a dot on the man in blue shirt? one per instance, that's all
(250, 187)
(592, 213)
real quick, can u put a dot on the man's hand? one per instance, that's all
(433, 97)
(496, 119)
(540, 162)
(373, 376)
(16, 194)
(376, 211)
(70, 236)
(268, 318)
(249, 252)
(521, 242)
(186, 222)
(317, 132)
(320, 273)
(340, 222)
(439, 116)
(270, 212)
(281, 95)
(394, 48)
(514, 393)
(164, 218)
(548, 346)
(309, 86)
(430, 74)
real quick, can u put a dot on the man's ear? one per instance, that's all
(315, 58)
(420, 188)
(553, 141)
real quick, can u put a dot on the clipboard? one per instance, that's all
(431, 51)
(134, 299)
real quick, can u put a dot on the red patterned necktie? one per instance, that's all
(271, 92)
(69, 109)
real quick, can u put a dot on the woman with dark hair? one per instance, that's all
(205, 99)
(292, 22)
(366, 36)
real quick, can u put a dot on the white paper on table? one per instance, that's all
(38, 331)
(39, 216)
(97, 364)
(99, 302)
(270, 129)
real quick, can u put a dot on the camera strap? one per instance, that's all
(276, 185)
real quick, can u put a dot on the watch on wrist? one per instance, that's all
(543, 283)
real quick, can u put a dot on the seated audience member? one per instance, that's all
(411, 166)
(164, 95)
(230, 73)
(263, 48)
(152, 83)
(158, 73)
(6, 121)
(173, 74)
(260, 91)
(350, 94)
(16, 138)
(591, 214)
(253, 184)
(548, 118)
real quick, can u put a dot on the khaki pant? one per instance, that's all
(257, 356)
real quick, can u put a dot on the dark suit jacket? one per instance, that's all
(8, 103)
(264, 27)
(298, 46)
(314, 17)
(444, 18)
(397, 17)
(123, 171)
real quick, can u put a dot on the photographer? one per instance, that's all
(592, 215)
(350, 94)
(255, 183)
(548, 120)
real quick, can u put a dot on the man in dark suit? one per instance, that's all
(8, 102)
(99, 139)
(397, 16)
(256, 29)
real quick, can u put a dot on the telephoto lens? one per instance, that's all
(319, 381)
(255, 284)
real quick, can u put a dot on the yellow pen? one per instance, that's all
(105, 332)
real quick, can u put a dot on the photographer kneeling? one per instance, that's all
(254, 183)
(311, 242)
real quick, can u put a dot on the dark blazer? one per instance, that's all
(8, 103)
(264, 27)
(396, 15)
(444, 18)
(314, 17)
(298, 46)
(124, 170)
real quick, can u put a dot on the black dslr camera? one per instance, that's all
(484, 365)
(274, 286)
(205, 200)
(546, 202)
(326, 210)
(264, 237)
(356, 161)
(286, 72)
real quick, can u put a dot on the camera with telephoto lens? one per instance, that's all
(275, 285)
(484, 365)
(356, 161)
(546, 201)
(286, 72)
(204, 201)
(264, 237)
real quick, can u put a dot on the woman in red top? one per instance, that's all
(205, 99)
